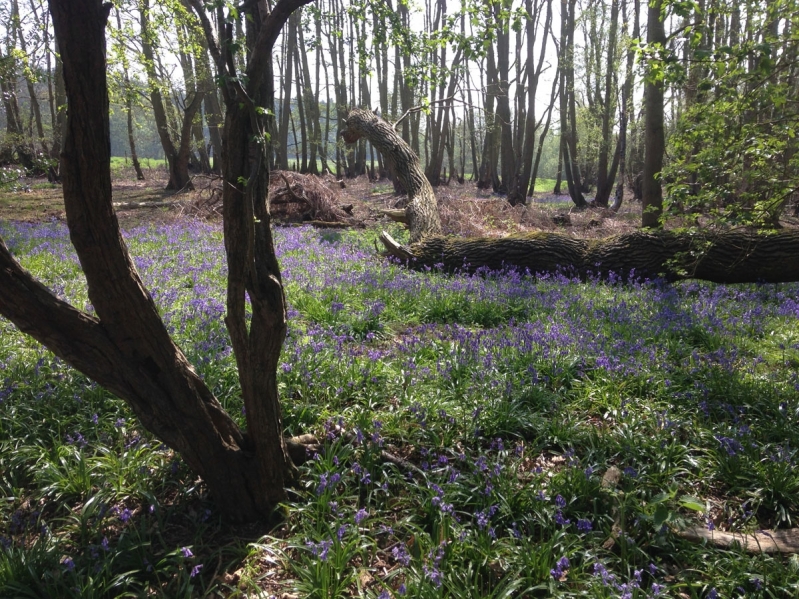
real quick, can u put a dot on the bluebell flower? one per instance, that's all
(560, 569)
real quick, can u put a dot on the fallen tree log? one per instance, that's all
(138, 205)
(726, 257)
(420, 205)
(760, 541)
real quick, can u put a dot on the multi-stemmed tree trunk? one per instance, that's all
(440, 118)
(177, 155)
(126, 347)
(523, 182)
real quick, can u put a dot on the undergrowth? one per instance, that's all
(554, 435)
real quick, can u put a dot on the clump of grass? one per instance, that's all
(504, 398)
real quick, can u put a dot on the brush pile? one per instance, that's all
(294, 198)
(304, 198)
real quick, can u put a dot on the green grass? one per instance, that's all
(511, 398)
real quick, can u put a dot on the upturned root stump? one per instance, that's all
(420, 206)
(727, 257)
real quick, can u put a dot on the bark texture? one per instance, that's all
(731, 257)
(126, 347)
(421, 208)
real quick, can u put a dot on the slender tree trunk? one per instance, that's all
(129, 94)
(60, 93)
(568, 118)
(626, 107)
(311, 99)
(528, 169)
(177, 156)
(507, 152)
(652, 199)
(559, 177)
(33, 98)
(305, 126)
(285, 108)
(489, 178)
(544, 132)
(606, 176)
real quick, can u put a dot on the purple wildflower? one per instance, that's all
(584, 525)
(196, 570)
(360, 515)
(186, 552)
(401, 555)
(321, 549)
(561, 569)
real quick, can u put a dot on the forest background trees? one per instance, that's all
(494, 92)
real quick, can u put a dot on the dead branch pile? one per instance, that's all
(301, 198)
(294, 198)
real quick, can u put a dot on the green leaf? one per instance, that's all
(692, 503)
(662, 515)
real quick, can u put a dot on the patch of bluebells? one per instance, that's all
(626, 590)
(432, 569)
(467, 357)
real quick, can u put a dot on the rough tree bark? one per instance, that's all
(126, 347)
(730, 257)
(421, 209)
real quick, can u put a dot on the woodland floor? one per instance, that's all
(524, 396)
(465, 210)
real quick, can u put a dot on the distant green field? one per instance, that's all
(119, 163)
